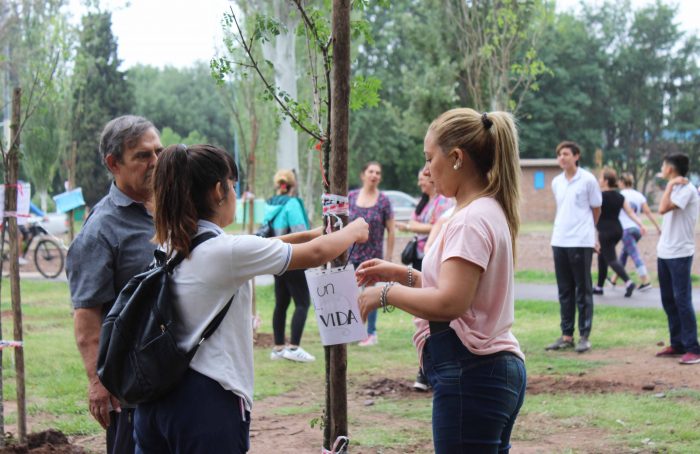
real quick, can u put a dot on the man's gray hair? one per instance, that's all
(122, 132)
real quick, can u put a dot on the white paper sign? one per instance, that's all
(24, 194)
(334, 293)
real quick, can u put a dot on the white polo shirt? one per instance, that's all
(573, 225)
(204, 283)
(678, 231)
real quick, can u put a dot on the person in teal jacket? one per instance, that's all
(286, 214)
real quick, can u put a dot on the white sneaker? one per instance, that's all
(277, 354)
(369, 341)
(298, 354)
(22, 261)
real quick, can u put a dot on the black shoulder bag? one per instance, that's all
(266, 230)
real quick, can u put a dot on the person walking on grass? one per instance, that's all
(675, 251)
(374, 207)
(209, 410)
(578, 199)
(610, 231)
(631, 233)
(463, 300)
(287, 214)
(113, 246)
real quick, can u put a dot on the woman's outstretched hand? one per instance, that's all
(361, 230)
(369, 301)
(375, 270)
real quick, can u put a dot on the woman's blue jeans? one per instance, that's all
(476, 399)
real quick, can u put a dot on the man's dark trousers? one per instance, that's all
(120, 433)
(572, 266)
(676, 298)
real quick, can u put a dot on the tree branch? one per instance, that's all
(268, 86)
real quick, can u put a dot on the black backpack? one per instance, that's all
(139, 360)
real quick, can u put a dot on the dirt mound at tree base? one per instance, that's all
(388, 387)
(48, 441)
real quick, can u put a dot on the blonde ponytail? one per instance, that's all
(491, 141)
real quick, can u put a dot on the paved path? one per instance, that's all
(546, 292)
(612, 296)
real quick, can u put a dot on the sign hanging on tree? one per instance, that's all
(334, 293)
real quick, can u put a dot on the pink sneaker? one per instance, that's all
(690, 358)
(369, 341)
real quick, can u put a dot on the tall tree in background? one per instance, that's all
(187, 100)
(100, 93)
(649, 63)
(570, 103)
(405, 51)
(498, 44)
(280, 51)
(37, 39)
(46, 135)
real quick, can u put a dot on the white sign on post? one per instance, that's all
(24, 192)
(334, 293)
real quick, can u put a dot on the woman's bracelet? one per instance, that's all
(410, 275)
(382, 299)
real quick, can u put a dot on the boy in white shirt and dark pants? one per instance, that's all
(578, 200)
(675, 250)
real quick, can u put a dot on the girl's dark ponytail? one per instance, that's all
(182, 183)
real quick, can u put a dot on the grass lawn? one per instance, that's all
(56, 383)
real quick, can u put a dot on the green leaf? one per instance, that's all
(364, 92)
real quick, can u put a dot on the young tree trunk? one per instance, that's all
(11, 171)
(340, 119)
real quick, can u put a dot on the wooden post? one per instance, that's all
(2, 393)
(71, 185)
(339, 133)
(11, 172)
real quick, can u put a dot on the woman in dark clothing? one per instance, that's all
(610, 231)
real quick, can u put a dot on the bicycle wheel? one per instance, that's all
(48, 258)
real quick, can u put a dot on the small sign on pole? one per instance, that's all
(334, 293)
(69, 200)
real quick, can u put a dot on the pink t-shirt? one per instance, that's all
(478, 233)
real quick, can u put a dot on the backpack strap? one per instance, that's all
(214, 324)
(175, 261)
(196, 241)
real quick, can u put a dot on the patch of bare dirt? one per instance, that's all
(264, 340)
(540, 434)
(49, 441)
(534, 252)
(273, 432)
(567, 384)
(388, 387)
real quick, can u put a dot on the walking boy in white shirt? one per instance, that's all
(578, 200)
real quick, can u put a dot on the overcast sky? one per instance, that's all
(179, 32)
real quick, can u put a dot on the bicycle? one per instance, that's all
(49, 256)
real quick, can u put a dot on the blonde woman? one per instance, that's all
(463, 299)
(286, 214)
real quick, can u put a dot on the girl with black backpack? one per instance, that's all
(209, 410)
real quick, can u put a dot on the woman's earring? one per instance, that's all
(458, 165)
(221, 202)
